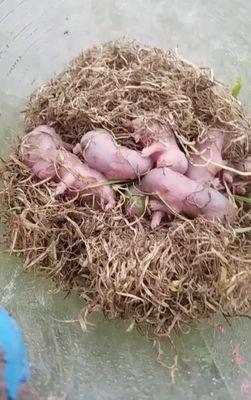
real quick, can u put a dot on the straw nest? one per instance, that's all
(182, 271)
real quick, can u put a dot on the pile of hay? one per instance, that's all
(184, 270)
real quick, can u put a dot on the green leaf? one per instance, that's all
(243, 199)
(237, 87)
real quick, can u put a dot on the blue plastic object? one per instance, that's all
(16, 370)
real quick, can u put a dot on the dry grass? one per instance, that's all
(184, 270)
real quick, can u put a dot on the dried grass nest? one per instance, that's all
(184, 270)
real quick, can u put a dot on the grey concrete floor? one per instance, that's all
(37, 40)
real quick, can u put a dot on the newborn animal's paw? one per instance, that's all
(156, 218)
(107, 205)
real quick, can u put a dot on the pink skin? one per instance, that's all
(148, 132)
(101, 152)
(156, 218)
(160, 144)
(39, 150)
(167, 154)
(201, 170)
(159, 211)
(76, 176)
(186, 196)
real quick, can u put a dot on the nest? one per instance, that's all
(184, 270)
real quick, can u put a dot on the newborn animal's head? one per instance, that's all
(89, 136)
(175, 159)
(148, 131)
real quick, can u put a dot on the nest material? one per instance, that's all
(182, 271)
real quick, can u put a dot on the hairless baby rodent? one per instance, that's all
(75, 176)
(160, 144)
(38, 150)
(46, 154)
(100, 151)
(182, 195)
(200, 168)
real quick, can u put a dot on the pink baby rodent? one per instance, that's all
(100, 151)
(147, 131)
(39, 150)
(166, 153)
(75, 176)
(160, 144)
(200, 169)
(186, 196)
